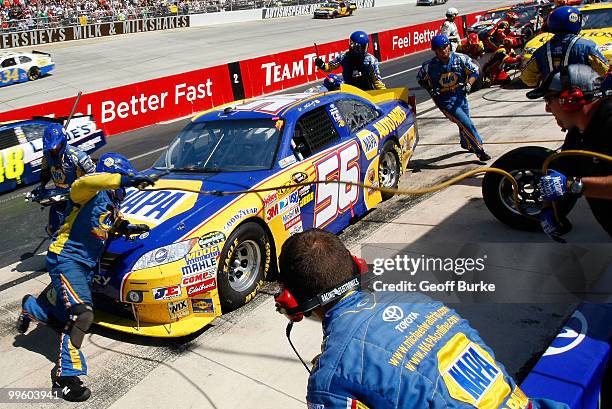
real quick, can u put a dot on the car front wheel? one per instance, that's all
(244, 264)
(33, 73)
(389, 168)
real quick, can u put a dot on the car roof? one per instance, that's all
(595, 7)
(5, 54)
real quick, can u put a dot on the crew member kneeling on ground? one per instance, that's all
(581, 105)
(365, 361)
(359, 68)
(448, 77)
(91, 215)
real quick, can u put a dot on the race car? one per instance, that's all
(21, 146)
(488, 20)
(20, 67)
(596, 26)
(335, 9)
(209, 254)
(430, 2)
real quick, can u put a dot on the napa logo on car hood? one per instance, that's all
(153, 207)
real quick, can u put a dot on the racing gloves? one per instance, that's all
(319, 62)
(552, 227)
(553, 185)
(125, 228)
(467, 87)
(137, 181)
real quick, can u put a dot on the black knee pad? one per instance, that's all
(80, 318)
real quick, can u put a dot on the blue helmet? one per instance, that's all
(54, 139)
(358, 43)
(439, 41)
(565, 19)
(332, 82)
(115, 163)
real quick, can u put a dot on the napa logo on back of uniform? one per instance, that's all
(155, 206)
(471, 374)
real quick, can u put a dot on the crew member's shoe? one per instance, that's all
(483, 156)
(71, 388)
(24, 319)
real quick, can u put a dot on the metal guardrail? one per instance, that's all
(12, 25)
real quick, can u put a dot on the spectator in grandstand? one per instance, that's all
(367, 358)
(581, 102)
(359, 68)
(449, 28)
(564, 48)
(448, 77)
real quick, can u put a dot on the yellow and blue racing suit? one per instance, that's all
(563, 49)
(72, 257)
(360, 71)
(63, 170)
(390, 351)
(446, 81)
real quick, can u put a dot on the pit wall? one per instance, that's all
(133, 106)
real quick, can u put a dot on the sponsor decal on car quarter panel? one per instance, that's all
(201, 288)
(203, 305)
(166, 293)
(178, 309)
(211, 239)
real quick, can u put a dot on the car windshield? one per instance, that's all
(332, 5)
(222, 146)
(596, 19)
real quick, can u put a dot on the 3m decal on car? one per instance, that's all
(166, 293)
(202, 306)
(178, 309)
(471, 374)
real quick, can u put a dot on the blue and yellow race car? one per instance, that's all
(21, 146)
(209, 254)
(20, 67)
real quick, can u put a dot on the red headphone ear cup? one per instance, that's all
(286, 301)
(572, 100)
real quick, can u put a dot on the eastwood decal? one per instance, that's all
(289, 11)
(57, 35)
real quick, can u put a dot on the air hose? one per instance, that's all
(420, 191)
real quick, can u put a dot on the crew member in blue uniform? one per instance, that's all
(62, 163)
(448, 77)
(359, 68)
(564, 48)
(389, 352)
(92, 214)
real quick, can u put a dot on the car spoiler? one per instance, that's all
(40, 52)
(377, 96)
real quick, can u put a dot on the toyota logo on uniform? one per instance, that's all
(392, 313)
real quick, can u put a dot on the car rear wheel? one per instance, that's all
(389, 168)
(33, 73)
(244, 264)
(525, 164)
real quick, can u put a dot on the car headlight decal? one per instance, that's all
(605, 47)
(164, 255)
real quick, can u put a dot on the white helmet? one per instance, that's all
(452, 12)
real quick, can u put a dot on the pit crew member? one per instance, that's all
(579, 103)
(449, 28)
(564, 48)
(366, 359)
(62, 163)
(359, 68)
(494, 71)
(91, 216)
(495, 37)
(448, 77)
(471, 46)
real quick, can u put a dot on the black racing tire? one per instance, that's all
(525, 165)
(389, 167)
(33, 73)
(243, 265)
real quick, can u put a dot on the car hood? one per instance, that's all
(600, 36)
(325, 9)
